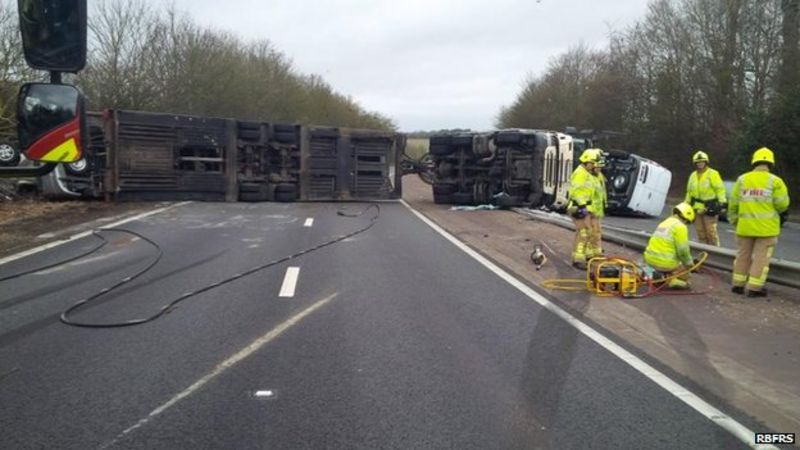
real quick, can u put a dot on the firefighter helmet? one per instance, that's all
(700, 156)
(590, 155)
(763, 155)
(685, 211)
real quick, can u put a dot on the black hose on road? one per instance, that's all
(169, 306)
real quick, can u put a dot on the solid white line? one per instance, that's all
(710, 412)
(289, 282)
(309, 222)
(50, 245)
(227, 364)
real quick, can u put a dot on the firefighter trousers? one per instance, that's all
(751, 265)
(595, 247)
(680, 282)
(706, 227)
(583, 235)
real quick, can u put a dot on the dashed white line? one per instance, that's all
(309, 222)
(289, 282)
(718, 417)
(225, 365)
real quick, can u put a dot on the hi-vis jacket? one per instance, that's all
(599, 196)
(705, 187)
(668, 247)
(757, 200)
(581, 188)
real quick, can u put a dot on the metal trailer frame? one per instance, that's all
(157, 156)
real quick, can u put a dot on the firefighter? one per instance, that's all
(705, 192)
(759, 207)
(668, 250)
(581, 191)
(598, 208)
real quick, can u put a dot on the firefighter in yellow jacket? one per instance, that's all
(705, 192)
(759, 204)
(581, 192)
(668, 249)
(597, 208)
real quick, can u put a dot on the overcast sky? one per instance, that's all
(427, 64)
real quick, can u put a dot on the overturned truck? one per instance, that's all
(134, 155)
(519, 167)
(507, 168)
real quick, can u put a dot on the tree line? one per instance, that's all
(716, 75)
(161, 60)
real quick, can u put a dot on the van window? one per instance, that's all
(644, 170)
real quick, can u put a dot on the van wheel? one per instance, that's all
(9, 156)
(78, 168)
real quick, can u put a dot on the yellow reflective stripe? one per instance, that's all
(782, 198)
(766, 215)
(758, 282)
(667, 256)
(65, 152)
(739, 278)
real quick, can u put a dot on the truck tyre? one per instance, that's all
(249, 135)
(508, 137)
(286, 193)
(442, 199)
(510, 201)
(443, 189)
(463, 198)
(462, 140)
(441, 149)
(253, 192)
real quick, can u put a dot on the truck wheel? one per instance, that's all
(443, 189)
(253, 192)
(441, 149)
(508, 201)
(463, 198)
(442, 199)
(285, 193)
(9, 156)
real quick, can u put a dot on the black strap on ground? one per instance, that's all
(102, 244)
(169, 306)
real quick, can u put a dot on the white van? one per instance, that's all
(636, 185)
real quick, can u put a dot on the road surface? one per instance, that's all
(394, 338)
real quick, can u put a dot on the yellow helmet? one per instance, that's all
(700, 156)
(590, 155)
(684, 210)
(763, 155)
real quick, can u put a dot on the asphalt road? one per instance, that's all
(394, 338)
(788, 243)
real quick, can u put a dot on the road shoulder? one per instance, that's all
(741, 350)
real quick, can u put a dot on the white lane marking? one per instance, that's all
(227, 364)
(267, 393)
(50, 245)
(309, 222)
(710, 412)
(289, 282)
